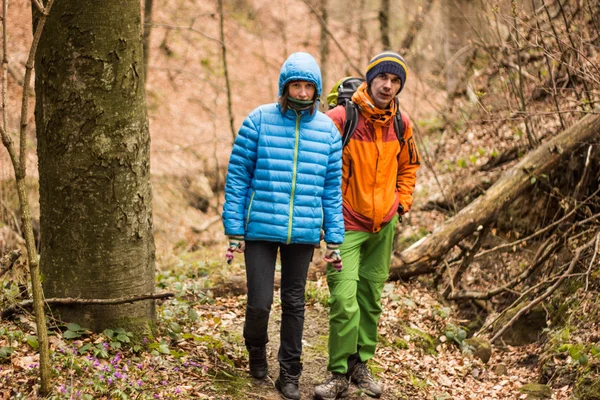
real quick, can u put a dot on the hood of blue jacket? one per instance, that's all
(300, 66)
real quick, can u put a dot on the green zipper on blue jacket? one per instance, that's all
(289, 238)
(249, 209)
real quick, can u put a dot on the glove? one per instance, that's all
(400, 212)
(236, 245)
(400, 209)
(332, 255)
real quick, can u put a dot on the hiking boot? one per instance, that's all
(335, 388)
(362, 377)
(258, 361)
(287, 382)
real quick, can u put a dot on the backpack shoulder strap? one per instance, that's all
(399, 127)
(351, 122)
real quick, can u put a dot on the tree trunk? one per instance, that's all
(458, 21)
(384, 24)
(415, 26)
(93, 146)
(147, 28)
(421, 258)
(324, 49)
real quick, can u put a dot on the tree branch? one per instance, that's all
(549, 291)
(69, 301)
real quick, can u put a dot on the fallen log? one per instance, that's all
(423, 256)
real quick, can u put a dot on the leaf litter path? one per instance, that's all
(411, 362)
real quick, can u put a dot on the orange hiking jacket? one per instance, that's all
(378, 172)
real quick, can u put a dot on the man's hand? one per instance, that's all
(332, 255)
(236, 245)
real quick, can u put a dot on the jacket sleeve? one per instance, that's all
(333, 218)
(240, 172)
(409, 162)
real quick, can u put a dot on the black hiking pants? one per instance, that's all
(261, 257)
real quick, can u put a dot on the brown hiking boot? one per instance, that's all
(335, 388)
(362, 377)
(258, 361)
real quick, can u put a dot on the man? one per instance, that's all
(378, 179)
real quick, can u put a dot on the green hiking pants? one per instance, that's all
(355, 295)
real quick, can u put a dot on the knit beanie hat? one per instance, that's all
(389, 62)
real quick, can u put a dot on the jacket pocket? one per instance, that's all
(249, 209)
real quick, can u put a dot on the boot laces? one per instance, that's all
(361, 373)
(288, 377)
(258, 355)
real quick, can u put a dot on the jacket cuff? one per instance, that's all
(333, 246)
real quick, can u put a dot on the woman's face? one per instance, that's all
(302, 90)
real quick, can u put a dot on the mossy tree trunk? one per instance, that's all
(93, 146)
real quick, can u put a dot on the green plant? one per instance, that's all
(456, 334)
(316, 294)
(119, 337)
(74, 331)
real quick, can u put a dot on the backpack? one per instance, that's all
(343, 90)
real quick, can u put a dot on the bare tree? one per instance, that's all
(324, 41)
(384, 23)
(19, 165)
(146, 37)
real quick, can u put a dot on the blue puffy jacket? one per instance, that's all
(284, 175)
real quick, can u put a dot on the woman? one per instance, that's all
(283, 187)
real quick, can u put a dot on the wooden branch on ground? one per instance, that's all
(207, 224)
(468, 257)
(69, 301)
(550, 290)
(423, 256)
(8, 261)
(541, 257)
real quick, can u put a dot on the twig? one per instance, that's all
(39, 6)
(8, 261)
(182, 28)
(589, 271)
(69, 301)
(4, 66)
(339, 46)
(548, 292)
(541, 257)
(545, 229)
(586, 172)
(550, 71)
(225, 69)
(468, 257)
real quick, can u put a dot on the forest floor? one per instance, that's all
(198, 350)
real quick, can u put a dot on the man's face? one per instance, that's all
(383, 89)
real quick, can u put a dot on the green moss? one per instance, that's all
(587, 388)
(422, 339)
(317, 348)
(536, 391)
(230, 383)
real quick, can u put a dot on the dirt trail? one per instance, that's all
(316, 328)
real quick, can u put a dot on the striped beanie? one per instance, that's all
(389, 62)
